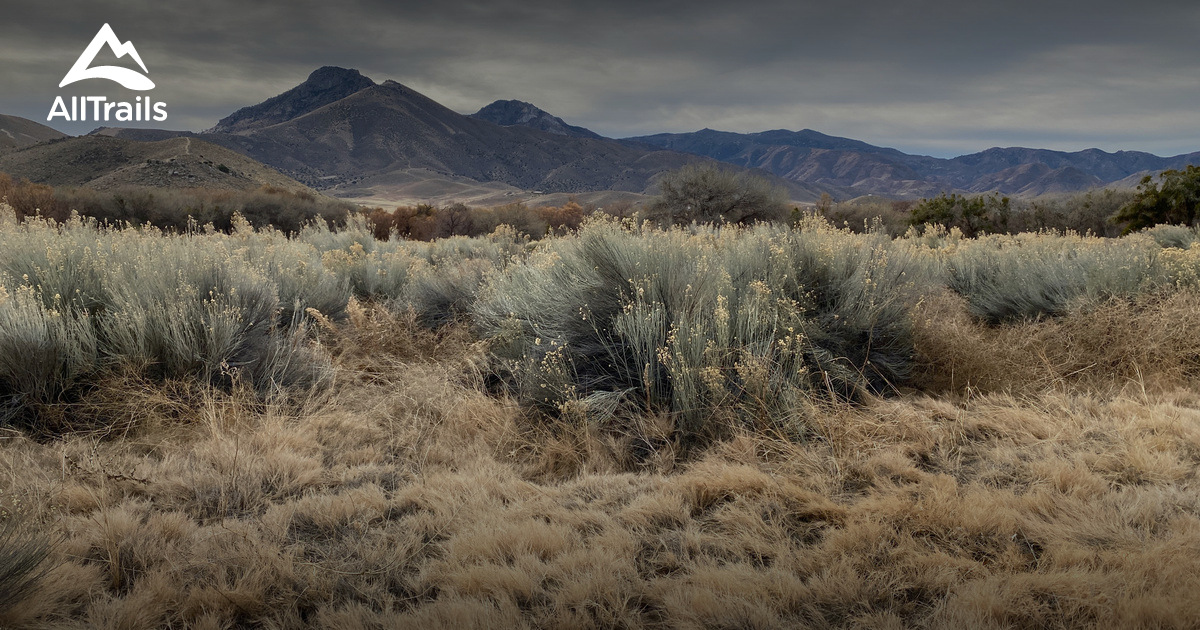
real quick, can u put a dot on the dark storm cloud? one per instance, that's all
(932, 76)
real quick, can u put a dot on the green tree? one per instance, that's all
(709, 193)
(1174, 200)
(972, 215)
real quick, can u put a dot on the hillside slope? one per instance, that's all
(103, 162)
(325, 85)
(17, 132)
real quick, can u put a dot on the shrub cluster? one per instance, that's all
(700, 321)
(615, 318)
(1027, 276)
(436, 280)
(80, 302)
(1006, 278)
(425, 222)
(1090, 212)
(175, 210)
(864, 214)
(972, 215)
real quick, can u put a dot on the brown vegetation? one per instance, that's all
(1051, 487)
(173, 209)
(425, 222)
(1121, 345)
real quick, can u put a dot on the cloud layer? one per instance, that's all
(929, 76)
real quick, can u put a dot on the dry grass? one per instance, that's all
(408, 497)
(1141, 344)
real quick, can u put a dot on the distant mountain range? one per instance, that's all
(344, 134)
(815, 158)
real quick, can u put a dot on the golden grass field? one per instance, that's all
(1040, 474)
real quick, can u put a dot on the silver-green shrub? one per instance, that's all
(1032, 275)
(696, 321)
(78, 302)
(44, 352)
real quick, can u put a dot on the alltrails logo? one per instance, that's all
(142, 109)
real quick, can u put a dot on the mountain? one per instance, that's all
(509, 113)
(727, 144)
(343, 133)
(1105, 166)
(806, 156)
(389, 128)
(17, 132)
(103, 162)
(324, 86)
(1036, 178)
(812, 157)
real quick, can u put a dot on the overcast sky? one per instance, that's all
(940, 77)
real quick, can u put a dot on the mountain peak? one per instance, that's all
(330, 77)
(513, 113)
(325, 85)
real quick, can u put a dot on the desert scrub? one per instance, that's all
(445, 283)
(437, 280)
(193, 311)
(44, 352)
(1176, 236)
(23, 553)
(80, 302)
(702, 321)
(1181, 267)
(1032, 275)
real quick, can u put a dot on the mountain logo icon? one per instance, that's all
(129, 78)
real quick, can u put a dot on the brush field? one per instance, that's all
(622, 427)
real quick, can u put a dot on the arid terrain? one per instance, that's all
(390, 454)
(599, 315)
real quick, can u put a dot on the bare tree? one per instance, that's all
(454, 220)
(710, 193)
